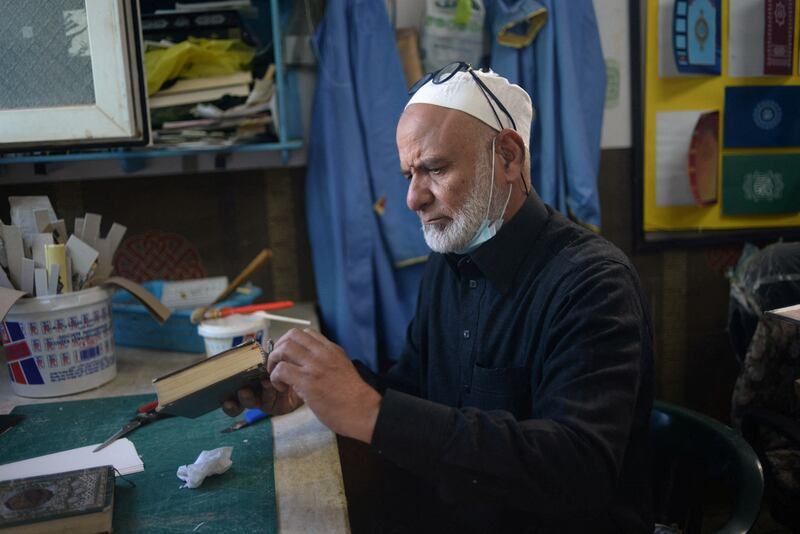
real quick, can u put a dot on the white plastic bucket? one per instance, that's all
(226, 332)
(60, 345)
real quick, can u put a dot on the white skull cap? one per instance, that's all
(463, 93)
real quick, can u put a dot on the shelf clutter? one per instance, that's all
(217, 99)
(203, 77)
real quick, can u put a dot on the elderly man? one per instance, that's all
(521, 401)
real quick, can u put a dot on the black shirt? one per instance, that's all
(524, 391)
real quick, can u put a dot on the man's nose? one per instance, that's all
(419, 196)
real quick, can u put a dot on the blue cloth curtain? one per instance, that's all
(563, 70)
(365, 299)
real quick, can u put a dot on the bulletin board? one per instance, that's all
(672, 105)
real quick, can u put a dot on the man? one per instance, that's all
(521, 401)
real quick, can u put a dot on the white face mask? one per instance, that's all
(488, 228)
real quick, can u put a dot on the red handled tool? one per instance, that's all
(145, 414)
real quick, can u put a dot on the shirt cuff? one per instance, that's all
(368, 376)
(411, 431)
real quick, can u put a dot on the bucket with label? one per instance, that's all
(61, 344)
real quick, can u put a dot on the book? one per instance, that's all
(202, 387)
(789, 313)
(207, 82)
(159, 100)
(73, 501)
(220, 4)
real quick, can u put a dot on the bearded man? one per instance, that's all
(521, 401)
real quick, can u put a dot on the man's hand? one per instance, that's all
(268, 400)
(321, 374)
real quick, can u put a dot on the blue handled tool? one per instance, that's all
(251, 416)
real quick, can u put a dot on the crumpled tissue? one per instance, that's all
(209, 463)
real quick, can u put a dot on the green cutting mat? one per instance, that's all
(240, 500)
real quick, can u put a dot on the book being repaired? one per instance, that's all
(202, 387)
(789, 313)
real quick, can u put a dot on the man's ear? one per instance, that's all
(512, 151)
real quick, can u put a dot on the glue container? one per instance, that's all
(226, 332)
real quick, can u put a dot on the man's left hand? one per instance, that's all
(322, 375)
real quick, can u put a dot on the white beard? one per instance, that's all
(466, 220)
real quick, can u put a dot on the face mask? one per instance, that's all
(488, 229)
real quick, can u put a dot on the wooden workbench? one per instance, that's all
(309, 490)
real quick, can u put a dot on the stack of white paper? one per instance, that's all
(121, 454)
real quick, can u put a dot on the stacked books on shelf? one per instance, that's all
(219, 110)
(199, 90)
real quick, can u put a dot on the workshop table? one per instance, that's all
(309, 490)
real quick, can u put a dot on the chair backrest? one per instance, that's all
(689, 449)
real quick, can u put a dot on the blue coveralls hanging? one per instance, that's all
(552, 49)
(366, 245)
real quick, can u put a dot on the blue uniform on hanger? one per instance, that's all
(552, 49)
(359, 226)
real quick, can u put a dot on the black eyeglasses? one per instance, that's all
(448, 71)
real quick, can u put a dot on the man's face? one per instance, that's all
(448, 168)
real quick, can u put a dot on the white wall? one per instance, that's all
(408, 12)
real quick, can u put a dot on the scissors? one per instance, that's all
(146, 414)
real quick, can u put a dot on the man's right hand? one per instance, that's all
(268, 400)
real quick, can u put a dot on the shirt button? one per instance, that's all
(473, 284)
(466, 334)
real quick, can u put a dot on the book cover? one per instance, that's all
(81, 500)
(210, 398)
(760, 184)
(778, 37)
(207, 82)
(197, 97)
(203, 399)
(761, 116)
(789, 313)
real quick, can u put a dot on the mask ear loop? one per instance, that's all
(508, 197)
(491, 187)
(491, 190)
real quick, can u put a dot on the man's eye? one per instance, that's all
(437, 172)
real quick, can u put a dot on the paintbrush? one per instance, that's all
(216, 313)
(258, 261)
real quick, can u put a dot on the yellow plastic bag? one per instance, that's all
(195, 58)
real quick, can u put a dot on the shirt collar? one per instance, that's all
(500, 257)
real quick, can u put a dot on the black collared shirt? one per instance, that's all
(524, 390)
